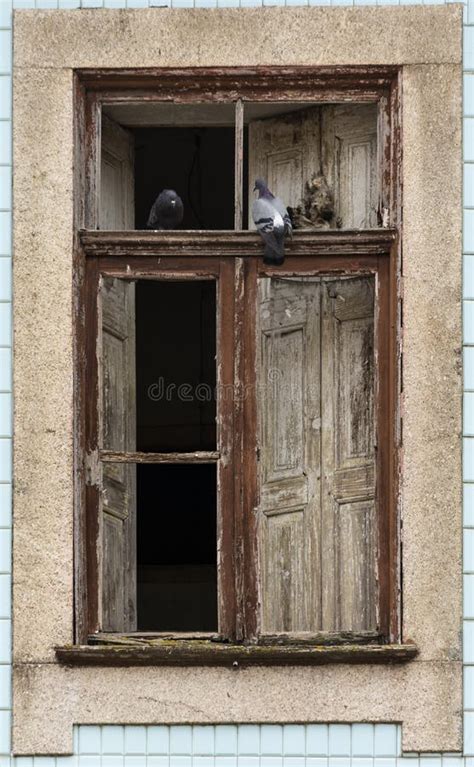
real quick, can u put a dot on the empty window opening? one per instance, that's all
(176, 367)
(321, 160)
(176, 545)
(158, 375)
(198, 163)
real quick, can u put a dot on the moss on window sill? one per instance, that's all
(204, 652)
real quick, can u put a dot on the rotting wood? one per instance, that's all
(91, 442)
(332, 146)
(239, 165)
(317, 466)
(350, 599)
(226, 538)
(202, 653)
(117, 383)
(251, 611)
(245, 551)
(175, 255)
(151, 638)
(118, 431)
(92, 160)
(217, 244)
(109, 456)
(79, 381)
(238, 447)
(288, 385)
(147, 637)
(323, 638)
(262, 83)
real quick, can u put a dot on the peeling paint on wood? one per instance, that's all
(205, 653)
(317, 470)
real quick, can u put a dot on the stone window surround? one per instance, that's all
(424, 695)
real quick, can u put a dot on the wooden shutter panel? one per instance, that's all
(348, 459)
(339, 141)
(316, 516)
(350, 163)
(117, 522)
(289, 461)
(118, 506)
(116, 177)
(284, 151)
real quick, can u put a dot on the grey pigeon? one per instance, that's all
(167, 211)
(272, 220)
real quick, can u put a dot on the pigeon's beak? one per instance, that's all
(255, 188)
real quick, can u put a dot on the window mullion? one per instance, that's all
(239, 164)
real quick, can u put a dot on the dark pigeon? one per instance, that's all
(167, 211)
(272, 221)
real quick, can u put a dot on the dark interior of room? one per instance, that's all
(176, 504)
(176, 539)
(198, 163)
(176, 367)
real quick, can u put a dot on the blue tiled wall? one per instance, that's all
(336, 745)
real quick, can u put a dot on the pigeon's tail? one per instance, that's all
(273, 259)
(274, 252)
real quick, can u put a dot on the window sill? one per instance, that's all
(173, 652)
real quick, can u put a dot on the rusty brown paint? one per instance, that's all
(250, 604)
(91, 403)
(79, 384)
(234, 258)
(305, 83)
(242, 244)
(226, 352)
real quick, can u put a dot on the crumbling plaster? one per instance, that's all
(425, 695)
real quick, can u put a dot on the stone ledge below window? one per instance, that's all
(177, 652)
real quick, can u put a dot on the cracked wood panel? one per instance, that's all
(289, 379)
(339, 141)
(118, 504)
(285, 151)
(316, 474)
(347, 455)
(349, 143)
(117, 207)
(117, 518)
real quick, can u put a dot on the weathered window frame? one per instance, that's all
(195, 253)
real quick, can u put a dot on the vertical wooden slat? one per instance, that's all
(239, 165)
(393, 279)
(238, 443)
(388, 446)
(250, 454)
(225, 445)
(383, 162)
(394, 179)
(91, 413)
(79, 299)
(92, 159)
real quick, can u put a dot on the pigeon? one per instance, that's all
(272, 221)
(167, 211)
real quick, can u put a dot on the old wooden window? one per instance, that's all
(255, 500)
